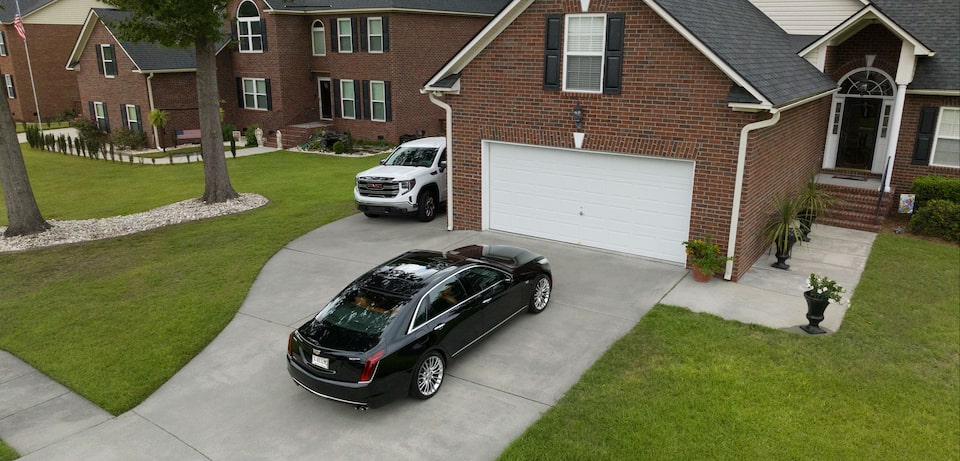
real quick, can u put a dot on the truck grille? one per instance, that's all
(374, 187)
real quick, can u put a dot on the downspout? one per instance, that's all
(738, 187)
(156, 133)
(449, 110)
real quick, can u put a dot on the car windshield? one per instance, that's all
(360, 311)
(412, 156)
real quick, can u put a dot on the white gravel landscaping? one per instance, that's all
(62, 232)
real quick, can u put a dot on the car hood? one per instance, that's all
(398, 173)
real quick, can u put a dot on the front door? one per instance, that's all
(326, 98)
(858, 136)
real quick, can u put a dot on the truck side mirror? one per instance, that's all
(443, 165)
(383, 161)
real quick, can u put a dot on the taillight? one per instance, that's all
(370, 367)
(290, 343)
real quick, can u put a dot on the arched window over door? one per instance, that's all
(866, 82)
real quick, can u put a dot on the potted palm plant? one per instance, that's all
(814, 203)
(784, 228)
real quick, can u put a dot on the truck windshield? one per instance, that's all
(412, 156)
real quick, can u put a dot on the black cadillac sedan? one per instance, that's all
(393, 331)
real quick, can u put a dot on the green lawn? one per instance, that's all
(685, 386)
(7, 453)
(114, 319)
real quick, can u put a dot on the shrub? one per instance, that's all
(339, 148)
(89, 130)
(127, 139)
(938, 218)
(933, 187)
(252, 136)
(227, 131)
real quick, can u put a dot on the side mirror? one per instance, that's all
(443, 165)
(383, 161)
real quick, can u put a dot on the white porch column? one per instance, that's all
(905, 72)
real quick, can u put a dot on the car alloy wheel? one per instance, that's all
(429, 376)
(428, 206)
(541, 294)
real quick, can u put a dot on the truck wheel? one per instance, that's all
(371, 215)
(427, 206)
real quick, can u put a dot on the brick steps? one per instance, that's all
(856, 208)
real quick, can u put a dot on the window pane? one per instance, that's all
(248, 86)
(585, 34)
(376, 91)
(379, 111)
(261, 86)
(319, 44)
(348, 110)
(132, 113)
(249, 101)
(583, 72)
(376, 43)
(346, 87)
(376, 27)
(261, 101)
(948, 153)
(243, 27)
(949, 123)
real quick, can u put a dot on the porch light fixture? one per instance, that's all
(578, 116)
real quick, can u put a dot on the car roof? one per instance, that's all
(435, 141)
(408, 273)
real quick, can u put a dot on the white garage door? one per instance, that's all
(630, 204)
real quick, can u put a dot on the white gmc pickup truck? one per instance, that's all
(411, 180)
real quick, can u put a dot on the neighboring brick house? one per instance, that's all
(635, 125)
(350, 66)
(121, 82)
(51, 28)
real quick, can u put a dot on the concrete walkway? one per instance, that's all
(235, 401)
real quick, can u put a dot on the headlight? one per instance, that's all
(407, 186)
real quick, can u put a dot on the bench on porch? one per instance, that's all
(188, 135)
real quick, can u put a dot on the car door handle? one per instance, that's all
(439, 327)
(487, 301)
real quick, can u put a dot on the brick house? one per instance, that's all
(51, 27)
(349, 66)
(121, 82)
(634, 125)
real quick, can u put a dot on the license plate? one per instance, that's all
(321, 362)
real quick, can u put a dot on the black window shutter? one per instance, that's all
(99, 59)
(386, 36)
(139, 119)
(234, 34)
(239, 92)
(106, 119)
(357, 97)
(93, 111)
(925, 131)
(336, 99)
(389, 105)
(354, 34)
(123, 115)
(266, 83)
(263, 34)
(366, 99)
(551, 53)
(334, 37)
(363, 34)
(613, 55)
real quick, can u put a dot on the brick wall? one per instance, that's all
(414, 55)
(904, 171)
(672, 104)
(50, 47)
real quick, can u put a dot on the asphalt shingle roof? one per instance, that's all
(753, 46)
(490, 7)
(936, 23)
(9, 10)
(150, 56)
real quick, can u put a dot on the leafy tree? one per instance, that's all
(23, 214)
(185, 24)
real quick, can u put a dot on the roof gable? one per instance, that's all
(146, 57)
(935, 24)
(462, 7)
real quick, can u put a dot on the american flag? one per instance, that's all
(18, 24)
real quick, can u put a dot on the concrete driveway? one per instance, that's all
(235, 401)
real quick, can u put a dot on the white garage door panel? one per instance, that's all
(636, 205)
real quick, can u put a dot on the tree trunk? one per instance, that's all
(23, 214)
(217, 186)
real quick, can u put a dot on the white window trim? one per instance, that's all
(255, 94)
(937, 136)
(344, 99)
(567, 53)
(318, 27)
(100, 113)
(11, 90)
(370, 35)
(383, 101)
(348, 35)
(249, 36)
(104, 60)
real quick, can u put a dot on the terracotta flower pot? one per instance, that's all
(700, 276)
